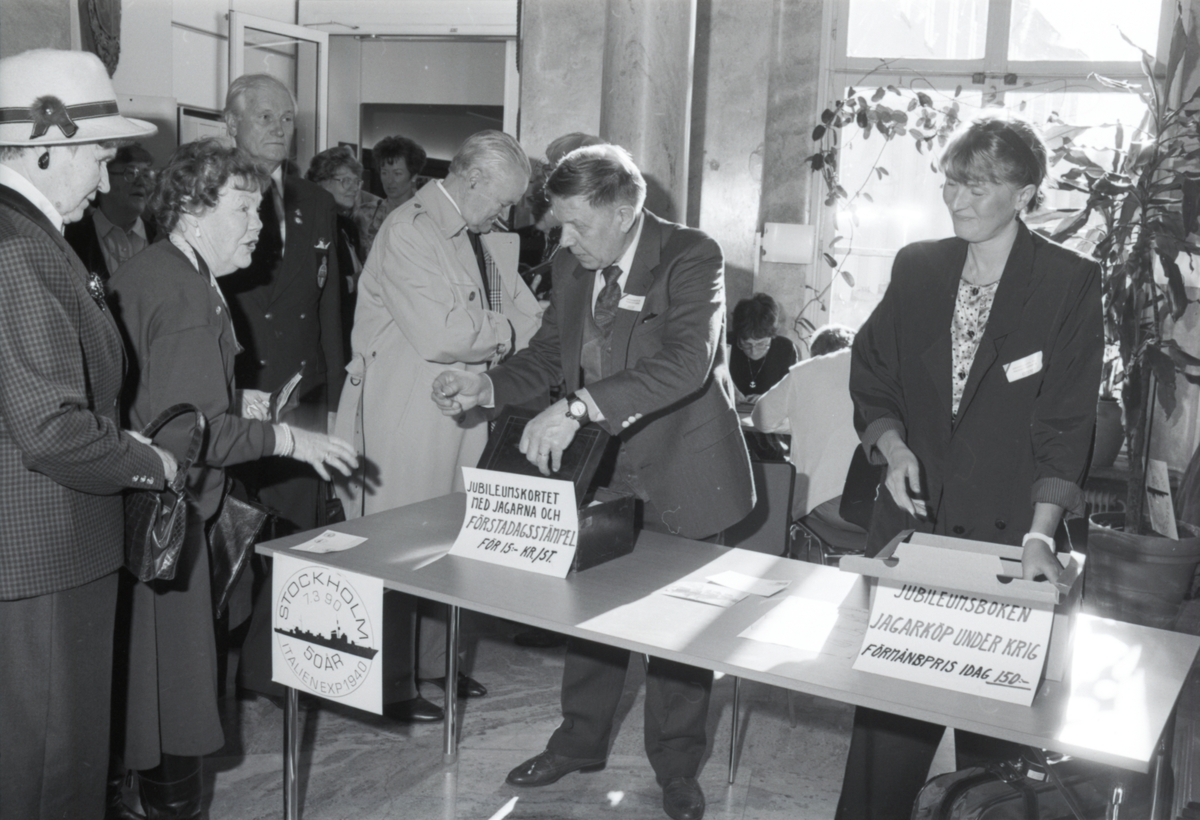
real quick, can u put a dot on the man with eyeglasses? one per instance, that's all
(116, 229)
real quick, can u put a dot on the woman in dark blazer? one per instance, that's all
(182, 346)
(975, 381)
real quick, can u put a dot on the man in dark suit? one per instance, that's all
(286, 310)
(115, 230)
(635, 327)
(64, 460)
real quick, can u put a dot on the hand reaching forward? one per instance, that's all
(320, 450)
(456, 391)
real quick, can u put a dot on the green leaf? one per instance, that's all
(1164, 370)
(957, 90)
(925, 100)
(827, 116)
(861, 119)
(1175, 288)
(868, 197)
(1180, 356)
(894, 90)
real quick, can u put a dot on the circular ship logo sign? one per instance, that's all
(324, 632)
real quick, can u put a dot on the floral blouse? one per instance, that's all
(971, 311)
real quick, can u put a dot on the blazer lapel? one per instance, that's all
(937, 358)
(641, 277)
(1011, 294)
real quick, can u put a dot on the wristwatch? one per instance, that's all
(577, 409)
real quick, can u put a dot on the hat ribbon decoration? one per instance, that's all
(50, 111)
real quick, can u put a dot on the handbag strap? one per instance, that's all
(193, 451)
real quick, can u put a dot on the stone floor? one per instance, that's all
(357, 766)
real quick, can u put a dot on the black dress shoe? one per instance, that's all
(467, 687)
(539, 639)
(682, 799)
(416, 710)
(549, 767)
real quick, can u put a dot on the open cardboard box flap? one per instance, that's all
(990, 570)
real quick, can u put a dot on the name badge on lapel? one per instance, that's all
(631, 302)
(322, 249)
(1023, 367)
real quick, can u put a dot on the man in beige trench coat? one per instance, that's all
(438, 290)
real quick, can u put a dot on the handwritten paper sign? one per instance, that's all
(959, 641)
(524, 522)
(328, 625)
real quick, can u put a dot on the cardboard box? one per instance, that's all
(606, 518)
(979, 568)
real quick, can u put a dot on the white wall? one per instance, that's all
(438, 72)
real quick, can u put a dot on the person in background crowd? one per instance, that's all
(286, 310)
(64, 460)
(975, 381)
(182, 344)
(439, 290)
(116, 228)
(337, 171)
(760, 357)
(812, 403)
(654, 376)
(399, 160)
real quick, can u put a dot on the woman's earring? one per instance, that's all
(44, 160)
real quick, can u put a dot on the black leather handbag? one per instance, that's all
(156, 520)
(231, 538)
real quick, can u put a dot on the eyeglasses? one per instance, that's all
(133, 173)
(348, 181)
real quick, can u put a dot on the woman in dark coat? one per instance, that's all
(182, 347)
(975, 381)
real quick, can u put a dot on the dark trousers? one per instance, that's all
(55, 691)
(676, 708)
(889, 762)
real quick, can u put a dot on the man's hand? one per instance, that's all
(903, 473)
(456, 391)
(547, 435)
(256, 404)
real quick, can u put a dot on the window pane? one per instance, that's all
(918, 29)
(1085, 31)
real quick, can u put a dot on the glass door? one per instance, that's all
(299, 58)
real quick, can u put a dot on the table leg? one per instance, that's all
(450, 744)
(733, 739)
(291, 754)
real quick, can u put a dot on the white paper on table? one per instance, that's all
(330, 541)
(800, 623)
(748, 583)
(704, 593)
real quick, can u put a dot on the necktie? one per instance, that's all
(280, 214)
(487, 272)
(605, 310)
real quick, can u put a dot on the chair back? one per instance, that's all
(765, 529)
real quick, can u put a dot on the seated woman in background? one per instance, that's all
(182, 346)
(399, 160)
(760, 358)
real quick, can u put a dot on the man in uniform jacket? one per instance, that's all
(286, 311)
(115, 231)
(635, 327)
(64, 459)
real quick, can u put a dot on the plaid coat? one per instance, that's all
(63, 458)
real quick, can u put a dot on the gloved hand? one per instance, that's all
(320, 450)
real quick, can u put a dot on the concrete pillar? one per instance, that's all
(646, 93)
(791, 114)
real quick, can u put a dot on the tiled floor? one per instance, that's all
(356, 766)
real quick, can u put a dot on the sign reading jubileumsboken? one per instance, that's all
(524, 522)
(956, 640)
(328, 625)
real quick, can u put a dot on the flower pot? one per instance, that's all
(1110, 434)
(1141, 579)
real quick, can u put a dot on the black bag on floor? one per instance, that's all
(1030, 789)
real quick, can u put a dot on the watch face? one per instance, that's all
(577, 408)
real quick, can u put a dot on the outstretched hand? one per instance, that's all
(456, 391)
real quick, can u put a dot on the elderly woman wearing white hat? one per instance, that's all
(64, 460)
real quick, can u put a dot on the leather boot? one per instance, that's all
(114, 799)
(173, 789)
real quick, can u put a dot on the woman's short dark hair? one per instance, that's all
(194, 176)
(830, 338)
(390, 149)
(998, 151)
(755, 318)
(326, 164)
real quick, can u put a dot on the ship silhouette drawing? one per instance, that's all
(338, 641)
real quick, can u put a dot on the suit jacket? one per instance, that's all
(83, 238)
(183, 350)
(421, 308)
(63, 458)
(671, 399)
(1024, 426)
(286, 305)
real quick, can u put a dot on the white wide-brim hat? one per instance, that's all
(53, 97)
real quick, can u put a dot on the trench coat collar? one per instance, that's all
(436, 201)
(1017, 283)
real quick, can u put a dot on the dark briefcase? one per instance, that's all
(606, 518)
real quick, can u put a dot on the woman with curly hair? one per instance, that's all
(182, 346)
